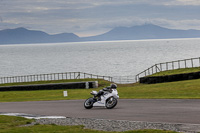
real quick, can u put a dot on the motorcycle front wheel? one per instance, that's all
(88, 104)
(111, 102)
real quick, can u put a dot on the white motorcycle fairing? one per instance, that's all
(104, 97)
(108, 99)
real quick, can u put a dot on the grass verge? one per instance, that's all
(177, 71)
(11, 124)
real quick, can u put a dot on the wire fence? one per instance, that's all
(186, 63)
(52, 76)
(124, 79)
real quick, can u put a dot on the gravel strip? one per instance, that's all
(120, 125)
(107, 125)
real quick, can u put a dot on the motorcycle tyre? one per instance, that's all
(91, 104)
(112, 105)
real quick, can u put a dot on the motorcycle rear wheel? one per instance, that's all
(111, 103)
(88, 104)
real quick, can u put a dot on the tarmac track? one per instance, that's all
(149, 110)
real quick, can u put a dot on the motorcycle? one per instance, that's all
(108, 99)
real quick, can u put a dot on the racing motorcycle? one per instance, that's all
(108, 99)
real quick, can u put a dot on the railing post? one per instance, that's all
(79, 74)
(62, 75)
(199, 61)
(155, 68)
(185, 64)
(66, 75)
(166, 66)
(160, 66)
(192, 62)
(136, 77)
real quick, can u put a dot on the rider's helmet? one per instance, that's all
(113, 86)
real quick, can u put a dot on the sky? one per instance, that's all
(93, 17)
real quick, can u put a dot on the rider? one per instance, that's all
(104, 90)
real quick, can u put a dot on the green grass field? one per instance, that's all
(177, 71)
(189, 89)
(11, 124)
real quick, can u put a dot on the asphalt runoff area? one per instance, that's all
(149, 110)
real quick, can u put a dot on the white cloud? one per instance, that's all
(103, 26)
(97, 16)
(185, 2)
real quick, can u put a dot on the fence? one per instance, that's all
(186, 63)
(52, 76)
(124, 79)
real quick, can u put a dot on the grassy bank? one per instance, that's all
(177, 71)
(11, 124)
(43, 95)
(189, 89)
(102, 82)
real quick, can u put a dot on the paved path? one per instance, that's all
(150, 110)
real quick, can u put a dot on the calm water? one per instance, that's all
(117, 58)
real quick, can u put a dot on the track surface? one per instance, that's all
(150, 110)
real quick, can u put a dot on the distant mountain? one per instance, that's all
(147, 31)
(22, 35)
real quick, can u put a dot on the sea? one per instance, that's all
(106, 58)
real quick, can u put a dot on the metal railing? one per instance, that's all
(51, 77)
(186, 63)
(124, 79)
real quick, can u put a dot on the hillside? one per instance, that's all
(22, 35)
(147, 31)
